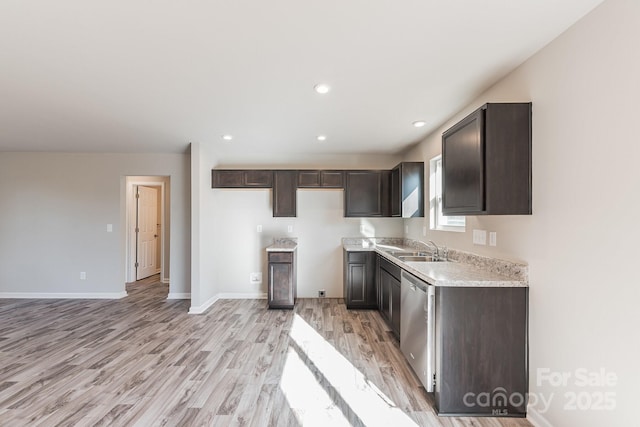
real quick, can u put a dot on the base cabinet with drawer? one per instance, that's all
(282, 284)
(360, 279)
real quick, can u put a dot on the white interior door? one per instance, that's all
(146, 231)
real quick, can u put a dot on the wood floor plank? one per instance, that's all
(143, 361)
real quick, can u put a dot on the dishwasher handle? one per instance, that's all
(413, 282)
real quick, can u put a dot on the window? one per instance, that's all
(437, 220)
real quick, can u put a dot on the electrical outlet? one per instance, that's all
(259, 229)
(493, 238)
(289, 228)
(255, 277)
(83, 275)
(321, 293)
(479, 237)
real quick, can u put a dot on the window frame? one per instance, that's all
(437, 221)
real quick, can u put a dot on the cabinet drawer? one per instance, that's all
(357, 257)
(390, 268)
(280, 256)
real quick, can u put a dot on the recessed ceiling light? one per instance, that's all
(321, 138)
(419, 123)
(227, 137)
(322, 88)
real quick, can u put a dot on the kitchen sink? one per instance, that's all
(418, 258)
(406, 253)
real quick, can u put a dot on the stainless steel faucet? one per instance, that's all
(435, 252)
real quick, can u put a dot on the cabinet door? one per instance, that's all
(366, 193)
(284, 193)
(463, 166)
(332, 179)
(396, 191)
(308, 179)
(227, 178)
(258, 178)
(281, 281)
(395, 306)
(360, 284)
(385, 295)
(357, 284)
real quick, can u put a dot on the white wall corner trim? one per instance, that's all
(204, 307)
(259, 295)
(63, 295)
(536, 418)
(179, 295)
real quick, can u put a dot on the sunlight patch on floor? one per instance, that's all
(308, 400)
(363, 398)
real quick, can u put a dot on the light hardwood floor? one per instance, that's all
(144, 361)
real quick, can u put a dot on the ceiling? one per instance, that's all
(152, 76)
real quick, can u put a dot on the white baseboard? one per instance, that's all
(259, 295)
(63, 295)
(179, 295)
(536, 418)
(204, 307)
(165, 280)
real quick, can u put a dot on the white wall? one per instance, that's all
(581, 240)
(204, 285)
(319, 227)
(54, 209)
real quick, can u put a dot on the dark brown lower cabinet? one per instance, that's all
(282, 279)
(388, 278)
(481, 351)
(359, 281)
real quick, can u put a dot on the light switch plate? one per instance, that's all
(493, 238)
(289, 228)
(259, 229)
(83, 275)
(109, 228)
(255, 277)
(424, 231)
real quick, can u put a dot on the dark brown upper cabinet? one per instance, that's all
(366, 193)
(407, 190)
(237, 178)
(320, 179)
(284, 193)
(486, 162)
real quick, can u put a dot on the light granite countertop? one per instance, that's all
(449, 273)
(288, 244)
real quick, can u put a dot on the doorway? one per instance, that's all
(148, 228)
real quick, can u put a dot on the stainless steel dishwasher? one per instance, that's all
(417, 333)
